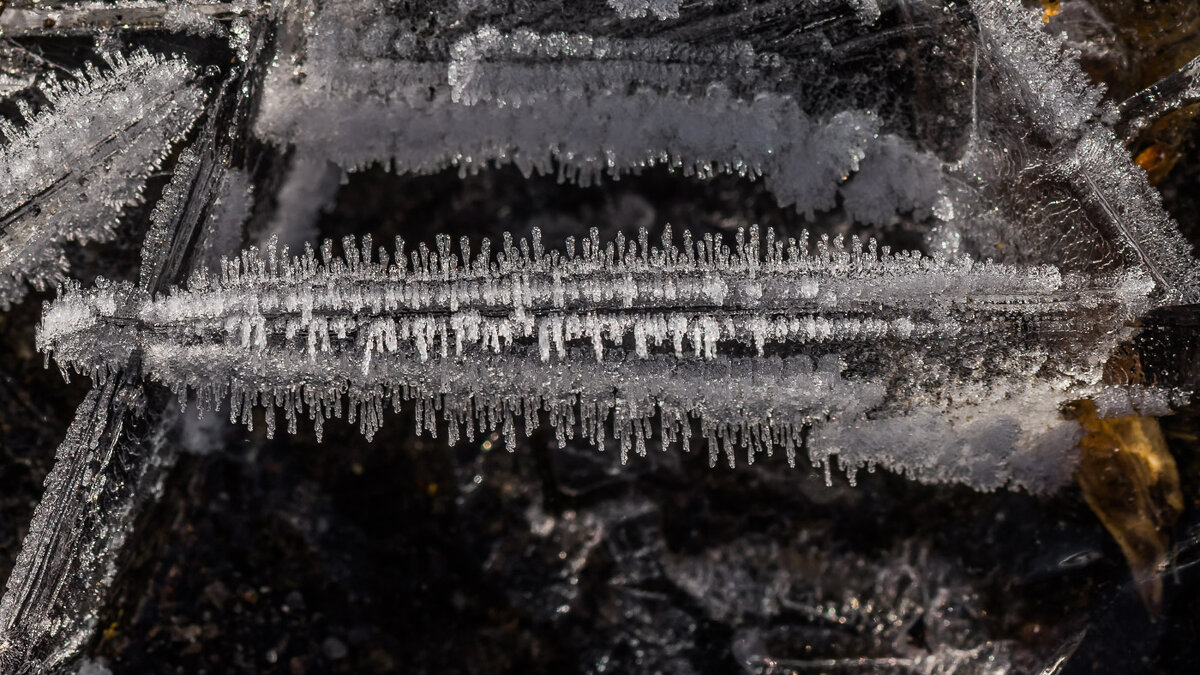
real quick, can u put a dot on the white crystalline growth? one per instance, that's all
(867, 10)
(1087, 188)
(1042, 164)
(525, 67)
(1132, 211)
(88, 18)
(1042, 73)
(756, 343)
(560, 103)
(69, 171)
(69, 557)
(636, 9)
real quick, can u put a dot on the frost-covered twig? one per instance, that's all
(622, 329)
(69, 171)
(558, 103)
(109, 461)
(85, 18)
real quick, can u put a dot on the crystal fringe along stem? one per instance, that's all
(757, 342)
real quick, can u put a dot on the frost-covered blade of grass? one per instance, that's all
(757, 342)
(560, 102)
(71, 170)
(108, 463)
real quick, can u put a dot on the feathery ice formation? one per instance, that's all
(757, 341)
(554, 102)
(71, 170)
(1062, 179)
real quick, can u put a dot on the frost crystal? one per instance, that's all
(69, 557)
(557, 103)
(1077, 195)
(759, 342)
(69, 172)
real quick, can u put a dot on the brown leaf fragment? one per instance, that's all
(1157, 160)
(1130, 481)
(1050, 9)
(1164, 139)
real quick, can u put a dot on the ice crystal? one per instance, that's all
(522, 90)
(115, 453)
(69, 171)
(760, 342)
(557, 102)
(1074, 193)
(69, 557)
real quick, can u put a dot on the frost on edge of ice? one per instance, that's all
(68, 558)
(1108, 195)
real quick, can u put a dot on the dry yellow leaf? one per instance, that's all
(1130, 481)
(1050, 9)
